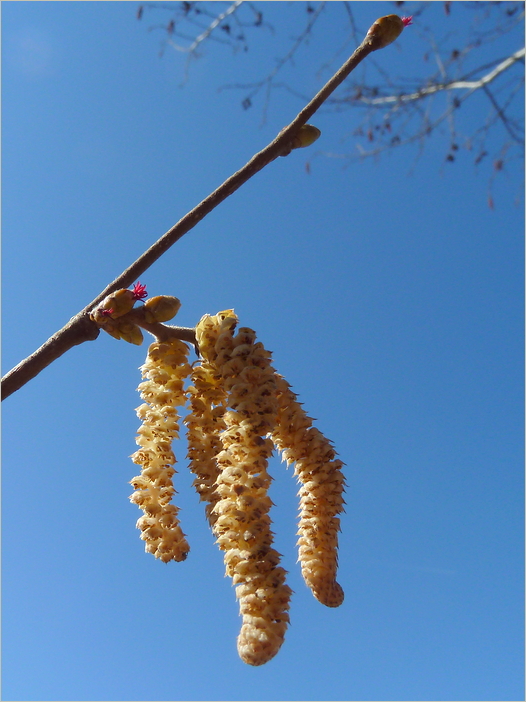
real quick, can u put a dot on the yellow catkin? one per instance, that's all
(204, 422)
(165, 370)
(321, 494)
(207, 400)
(242, 523)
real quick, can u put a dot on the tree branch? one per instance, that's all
(80, 328)
(501, 115)
(471, 85)
(208, 31)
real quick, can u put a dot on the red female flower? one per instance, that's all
(139, 291)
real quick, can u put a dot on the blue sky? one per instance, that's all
(391, 296)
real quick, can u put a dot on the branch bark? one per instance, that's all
(80, 328)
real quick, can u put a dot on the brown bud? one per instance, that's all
(386, 29)
(306, 136)
(119, 302)
(161, 308)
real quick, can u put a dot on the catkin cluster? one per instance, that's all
(240, 409)
(165, 370)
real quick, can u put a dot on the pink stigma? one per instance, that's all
(139, 291)
(407, 20)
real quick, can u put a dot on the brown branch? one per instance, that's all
(80, 328)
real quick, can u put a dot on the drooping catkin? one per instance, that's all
(242, 523)
(321, 494)
(204, 423)
(207, 400)
(165, 370)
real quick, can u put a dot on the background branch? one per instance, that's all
(471, 85)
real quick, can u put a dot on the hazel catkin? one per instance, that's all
(165, 369)
(321, 494)
(204, 423)
(242, 522)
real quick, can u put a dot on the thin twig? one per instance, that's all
(80, 328)
(451, 85)
(217, 21)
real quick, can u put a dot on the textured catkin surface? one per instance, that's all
(165, 370)
(242, 522)
(205, 422)
(321, 494)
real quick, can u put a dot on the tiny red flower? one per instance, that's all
(407, 20)
(139, 291)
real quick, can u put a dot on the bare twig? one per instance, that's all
(80, 328)
(268, 81)
(471, 85)
(208, 31)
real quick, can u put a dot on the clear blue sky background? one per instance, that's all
(392, 299)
